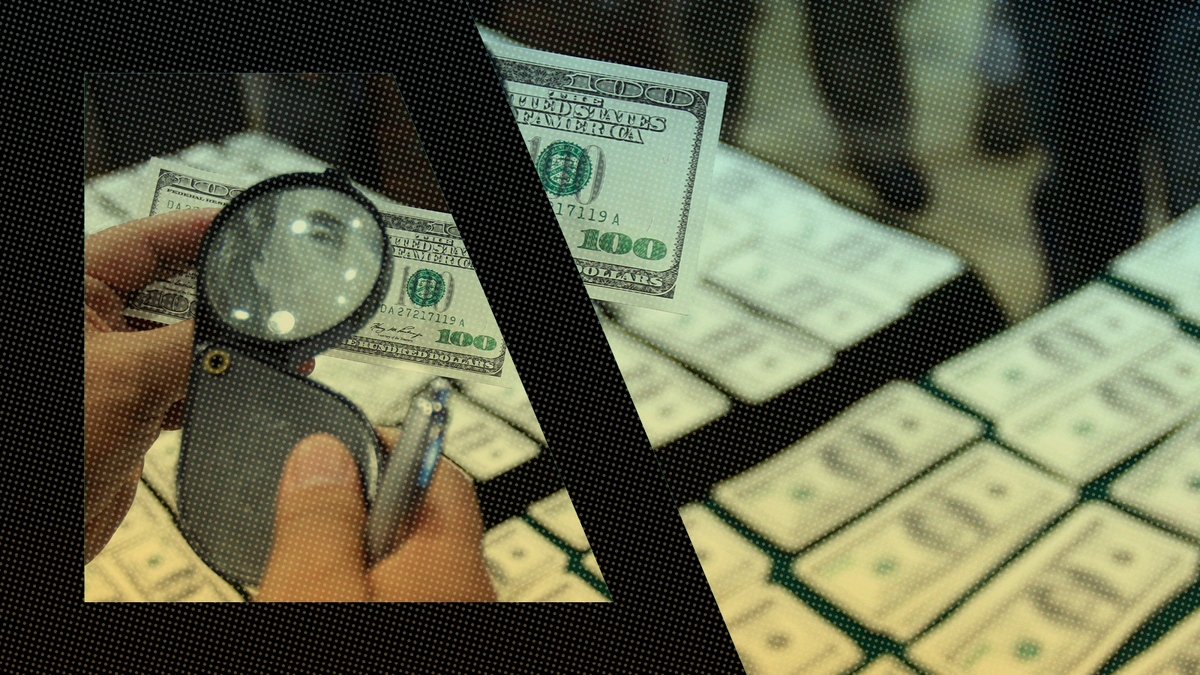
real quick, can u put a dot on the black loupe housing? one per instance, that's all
(289, 268)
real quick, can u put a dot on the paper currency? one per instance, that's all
(776, 634)
(669, 400)
(481, 443)
(455, 336)
(841, 469)
(1094, 329)
(557, 514)
(748, 355)
(906, 562)
(1084, 431)
(792, 252)
(625, 155)
(1166, 484)
(887, 665)
(730, 562)
(517, 556)
(1178, 653)
(1168, 265)
(561, 587)
(1065, 605)
(147, 560)
(512, 404)
(591, 565)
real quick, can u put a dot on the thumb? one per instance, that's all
(319, 516)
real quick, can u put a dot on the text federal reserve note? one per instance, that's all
(626, 157)
(434, 318)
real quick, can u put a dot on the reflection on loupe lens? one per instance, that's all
(294, 263)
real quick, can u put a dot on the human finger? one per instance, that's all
(317, 555)
(128, 257)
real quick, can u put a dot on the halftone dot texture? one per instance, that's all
(979, 209)
(671, 621)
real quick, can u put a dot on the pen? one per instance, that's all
(408, 471)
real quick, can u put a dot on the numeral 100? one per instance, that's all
(484, 343)
(615, 242)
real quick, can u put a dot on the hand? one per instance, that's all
(132, 380)
(318, 554)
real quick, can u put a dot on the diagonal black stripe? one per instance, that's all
(543, 311)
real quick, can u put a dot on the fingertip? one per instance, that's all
(317, 461)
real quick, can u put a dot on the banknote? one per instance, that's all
(481, 443)
(1084, 431)
(560, 587)
(850, 463)
(517, 556)
(557, 514)
(625, 155)
(1177, 653)
(147, 560)
(1166, 484)
(591, 565)
(788, 250)
(748, 355)
(1168, 265)
(906, 562)
(1093, 329)
(512, 404)
(447, 331)
(887, 665)
(1066, 604)
(777, 634)
(669, 400)
(730, 561)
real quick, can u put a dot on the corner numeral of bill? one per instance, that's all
(625, 155)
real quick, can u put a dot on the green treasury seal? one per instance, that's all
(425, 288)
(564, 168)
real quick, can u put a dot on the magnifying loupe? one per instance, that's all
(289, 268)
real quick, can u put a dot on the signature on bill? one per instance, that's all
(407, 333)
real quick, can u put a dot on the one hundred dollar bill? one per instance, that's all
(147, 560)
(1082, 432)
(906, 562)
(1166, 484)
(511, 404)
(1178, 653)
(1066, 604)
(729, 560)
(849, 464)
(449, 332)
(670, 401)
(517, 557)
(1168, 265)
(557, 514)
(788, 250)
(1094, 329)
(887, 665)
(561, 587)
(483, 444)
(752, 357)
(625, 155)
(777, 634)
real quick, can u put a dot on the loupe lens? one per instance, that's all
(294, 263)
